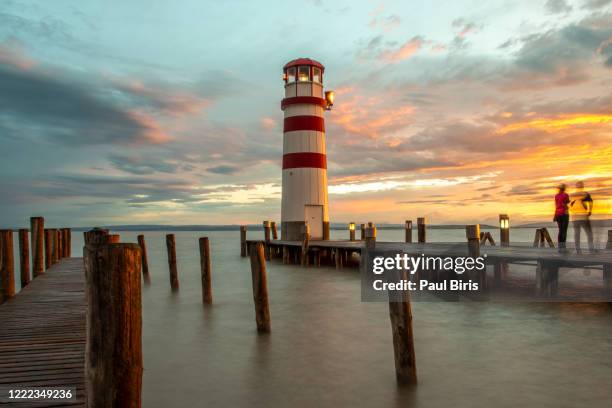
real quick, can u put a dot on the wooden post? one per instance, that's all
(274, 231)
(95, 235)
(48, 248)
(144, 260)
(305, 242)
(205, 268)
(472, 233)
(7, 267)
(67, 242)
(266, 227)
(113, 351)
(37, 228)
(243, 243)
(24, 257)
(547, 278)
(504, 230)
(370, 236)
(58, 248)
(400, 314)
(171, 246)
(422, 230)
(54, 247)
(351, 231)
(362, 230)
(260, 288)
(537, 238)
(607, 268)
(408, 230)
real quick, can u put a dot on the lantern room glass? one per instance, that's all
(303, 73)
(290, 74)
(316, 74)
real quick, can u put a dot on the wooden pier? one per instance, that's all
(42, 340)
(546, 261)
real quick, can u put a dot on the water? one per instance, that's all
(327, 349)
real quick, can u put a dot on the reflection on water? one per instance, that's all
(327, 349)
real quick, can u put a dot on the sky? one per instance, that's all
(166, 112)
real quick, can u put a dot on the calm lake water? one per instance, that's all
(328, 349)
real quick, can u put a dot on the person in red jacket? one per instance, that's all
(562, 215)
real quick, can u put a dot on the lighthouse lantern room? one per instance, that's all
(304, 197)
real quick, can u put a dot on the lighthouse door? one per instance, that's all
(314, 217)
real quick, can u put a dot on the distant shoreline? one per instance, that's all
(257, 227)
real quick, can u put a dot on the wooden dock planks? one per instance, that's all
(42, 333)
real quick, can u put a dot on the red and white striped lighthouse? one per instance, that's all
(304, 196)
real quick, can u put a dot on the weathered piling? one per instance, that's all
(57, 246)
(113, 354)
(67, 242)
(408, 231)
(95, 235)
(260, 287)
(472, 233)
(504, 230)
(351, 231)
(305, 243)
(37, 230)
(48, 248)
(7, 267)
(274, 230)
(607, 268)
(362, 231)
(206, 270)
(171, 247)
(144, 259)
(243, 238)
(422, 230)
(547, 278)
(400, 313)
(24, 257)
(370, 236)
(266, 228)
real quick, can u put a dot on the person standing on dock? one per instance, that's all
(561, 215)
(581, 208)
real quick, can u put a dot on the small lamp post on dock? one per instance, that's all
(504, 230)
(352, 231)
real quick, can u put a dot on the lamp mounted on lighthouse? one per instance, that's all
(304, 197)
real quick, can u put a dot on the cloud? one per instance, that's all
(267, 123)
(596, 4)
(464, 29)
(146, 164)
(69, 112)
(13, 54)
(405, 51)
(562, 55)
(370, 116)
(223, 169)
(557, 7)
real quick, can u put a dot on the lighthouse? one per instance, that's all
(304, 197)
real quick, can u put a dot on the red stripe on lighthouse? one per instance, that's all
(297, 160)
(297, 100)
(316, 123)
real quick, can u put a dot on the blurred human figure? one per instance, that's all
(581, 207)
(561, 215)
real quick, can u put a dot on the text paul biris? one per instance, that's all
(414, 264)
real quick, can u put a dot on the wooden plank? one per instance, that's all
(42, 341)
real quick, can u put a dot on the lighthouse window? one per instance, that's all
(303, 74)
(316, 74)
(291, 74)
